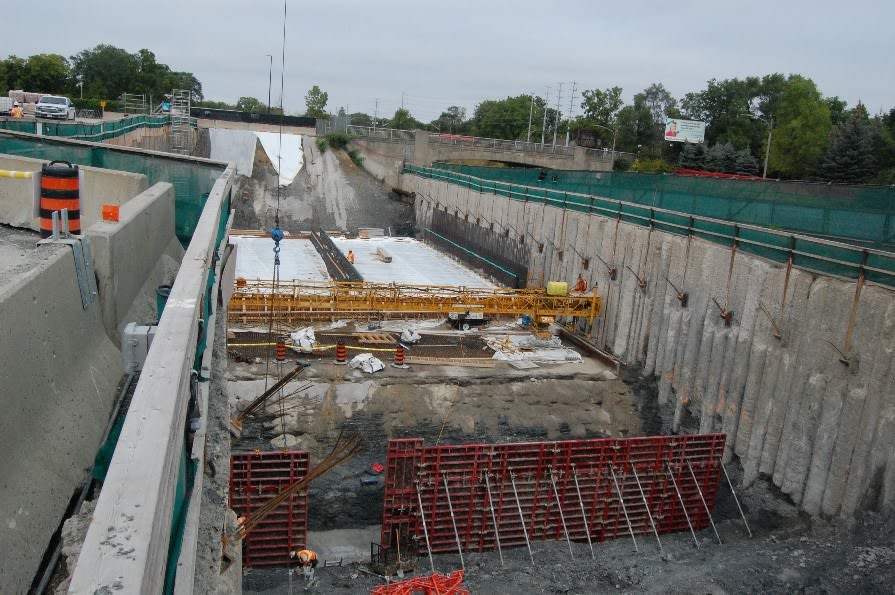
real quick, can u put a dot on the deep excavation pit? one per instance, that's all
(787, 551)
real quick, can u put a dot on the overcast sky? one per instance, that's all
(431, 55)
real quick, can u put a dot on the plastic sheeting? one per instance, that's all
(287, 147)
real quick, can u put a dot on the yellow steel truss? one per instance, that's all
(254, 302)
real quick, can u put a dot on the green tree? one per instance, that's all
(692, 156)
(801, 126)
(637, 132)
(850, 155)
(601, 106)
(12, 73)
(721, 157)
(660, 102)
(106, 71)
(745, 162)
(251, 105)
(360, 119)
(505, 119)
(402, 120)
(451, 120)
(725, 107)
(47, 73)
(315, 101)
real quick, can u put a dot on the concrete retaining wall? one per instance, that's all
(134, 256)
(822, 430)
(59, 373)
(98, 187)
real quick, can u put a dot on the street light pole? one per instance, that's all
(767, 152)
(269, 81)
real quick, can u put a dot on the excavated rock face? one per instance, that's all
(441, 404)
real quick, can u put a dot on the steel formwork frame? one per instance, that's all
(576, 490)
(255, 478)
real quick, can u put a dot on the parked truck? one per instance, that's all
(55, 106)
(5, 105)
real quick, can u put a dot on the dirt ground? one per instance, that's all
(788, 552)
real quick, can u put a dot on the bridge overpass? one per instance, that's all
(422, 148)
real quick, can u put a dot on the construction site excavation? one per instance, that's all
(418, 373)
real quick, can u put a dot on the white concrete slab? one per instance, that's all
(412, 262)
(298, 259)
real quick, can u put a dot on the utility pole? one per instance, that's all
(571, 100)
(556, 125)
(544, 125)
(269, 81)
(376, 114)
(531, 110)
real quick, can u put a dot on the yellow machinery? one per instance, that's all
(256, 302)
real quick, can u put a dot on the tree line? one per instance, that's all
(783, 121)
(102, 73)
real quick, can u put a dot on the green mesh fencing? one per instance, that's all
(715, 220)
(864, 214)
(192, 180)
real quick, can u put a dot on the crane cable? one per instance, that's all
(277, 235)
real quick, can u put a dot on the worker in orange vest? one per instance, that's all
(581, 284)
(16, 111)
(307, 561)
(351, 256)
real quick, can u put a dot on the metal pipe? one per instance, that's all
(494, 519)
(562, 517)
(584, 516)
(621, 500)
(683, 506)
(737, 500)
(447, 493)
(425, 531)
(521, 518)
(646, 505)
(701, 497)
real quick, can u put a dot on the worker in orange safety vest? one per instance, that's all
(307, 561)
(351, 256)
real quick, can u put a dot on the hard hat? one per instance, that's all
(15, 103)
(303, 556)
(292, 555)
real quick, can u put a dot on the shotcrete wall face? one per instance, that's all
(58, 372)
(822, 430)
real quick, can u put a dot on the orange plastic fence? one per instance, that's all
(433, 584)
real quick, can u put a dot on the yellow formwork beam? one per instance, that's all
(258, 301)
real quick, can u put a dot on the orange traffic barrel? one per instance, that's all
(341, 353)
(60, 188)
(399, 356)
(281, 350)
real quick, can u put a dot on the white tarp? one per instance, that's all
(237, 146)
(287, 146)
(367, 362)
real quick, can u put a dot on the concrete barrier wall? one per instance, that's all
(58, 373)
(135, 255)
(98, 187)
(823, 431)
(134, 511)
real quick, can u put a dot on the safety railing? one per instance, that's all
(809, 253)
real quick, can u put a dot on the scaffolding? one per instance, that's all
(180, 136)
(131, 103)
(290, 302)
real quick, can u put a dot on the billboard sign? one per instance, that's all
(684, 131)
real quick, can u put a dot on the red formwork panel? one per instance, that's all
(255, 478)
(479, 494)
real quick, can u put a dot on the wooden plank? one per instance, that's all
(472, 362)
(375, 338)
